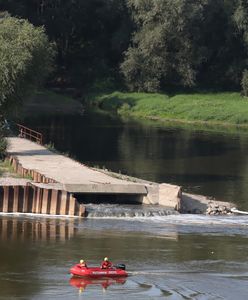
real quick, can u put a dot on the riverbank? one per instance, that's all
(220, 108)
(45, 102)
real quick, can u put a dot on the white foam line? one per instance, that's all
(185, 219)
(133, 273)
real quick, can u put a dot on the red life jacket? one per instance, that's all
(83, 265)
(106, 265)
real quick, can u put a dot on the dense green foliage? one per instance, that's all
(219, 108)
(90, 35)
(25, 56)
(244, 83)
(241, 18)
(3, 141)
(154, 44)
(3, 146)
(165, 45)
(184, 43)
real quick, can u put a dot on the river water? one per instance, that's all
(207, 162)
(168, 256)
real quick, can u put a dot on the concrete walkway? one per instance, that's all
(65, 177)
(74, 177)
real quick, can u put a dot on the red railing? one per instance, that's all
(30, 134)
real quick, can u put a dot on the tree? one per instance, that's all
(89, 35)
(178, 43)
(244, 83)
(26, 59)
(163, 48)
(241, 19)
(224, 54)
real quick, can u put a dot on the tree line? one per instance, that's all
(146, 45)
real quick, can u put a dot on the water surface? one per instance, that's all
(210, 163)
(168, 257)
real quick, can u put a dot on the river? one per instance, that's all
(168, 256)
(172, 257)
(206, 162)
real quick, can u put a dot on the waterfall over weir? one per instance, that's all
(126, 211)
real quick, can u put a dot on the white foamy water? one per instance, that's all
(126, 211)
(189, 219)
(160, 215)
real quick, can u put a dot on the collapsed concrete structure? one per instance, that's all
(58, 181)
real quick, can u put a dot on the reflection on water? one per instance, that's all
(21, 247)
(37, 229)
(82, 283)
(209, 163)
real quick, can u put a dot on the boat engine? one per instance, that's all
(121, 266)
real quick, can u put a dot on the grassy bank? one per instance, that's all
(228, 108)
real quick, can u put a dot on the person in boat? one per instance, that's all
(82, 263)
(106, 264)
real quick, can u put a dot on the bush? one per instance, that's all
(244, 83)
(3, 146)
(124, 110)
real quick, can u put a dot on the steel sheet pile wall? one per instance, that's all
(32, 199)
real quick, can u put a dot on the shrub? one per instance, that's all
(124, 109)
(244, 83)
(3, 146)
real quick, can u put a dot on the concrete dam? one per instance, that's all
(59, 185)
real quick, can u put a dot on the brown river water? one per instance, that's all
(168, 256)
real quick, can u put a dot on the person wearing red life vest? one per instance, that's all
(82, 264)
(106, 264)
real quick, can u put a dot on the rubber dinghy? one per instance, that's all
(97, 272)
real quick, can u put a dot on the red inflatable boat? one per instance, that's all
(97, 272)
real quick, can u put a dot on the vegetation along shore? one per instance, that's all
(219, 108)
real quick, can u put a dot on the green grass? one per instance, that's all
(228, 108)
(6, 169)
